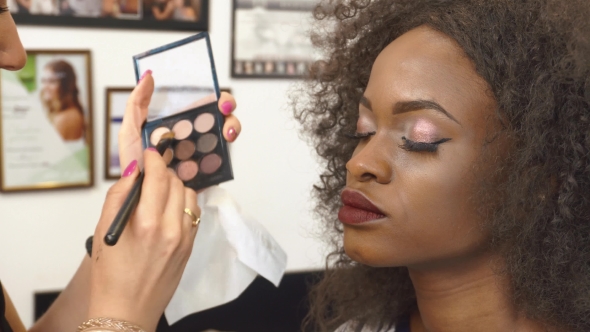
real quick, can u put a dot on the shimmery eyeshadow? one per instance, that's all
(157, 133)
(187, 170)
(207, 143)
(182, 129)
(204, 122)
(184, 150)
(423, 131)
(168, 155)
(210, 163)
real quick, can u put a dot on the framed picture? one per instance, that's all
(46, 122)
(181, 15)
(116, 100)
(271, 38)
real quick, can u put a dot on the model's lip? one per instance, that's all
(358, 201)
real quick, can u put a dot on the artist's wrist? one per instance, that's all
(119, 312)
(104, 324)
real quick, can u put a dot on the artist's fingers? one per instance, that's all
(114, 200)
(130, 146)
(226, 103)
(154, 193)
(231, 128)
(172, 223)
(190, 197)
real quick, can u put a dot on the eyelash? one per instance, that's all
(3, 9)
(421, 146)
(359, 136)
(408, 145)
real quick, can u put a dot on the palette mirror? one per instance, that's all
(185, 103)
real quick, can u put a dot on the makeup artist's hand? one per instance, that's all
(130, 146)
(135, 279)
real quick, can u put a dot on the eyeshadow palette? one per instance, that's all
(185, 103)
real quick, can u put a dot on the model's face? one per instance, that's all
(422, 90)
(12, 54)
(49, 85)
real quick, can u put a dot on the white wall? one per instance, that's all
(42, 234)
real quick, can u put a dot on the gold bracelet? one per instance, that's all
(108, 325)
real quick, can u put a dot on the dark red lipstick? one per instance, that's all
(357, 209)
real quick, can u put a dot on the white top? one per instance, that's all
(352, 327)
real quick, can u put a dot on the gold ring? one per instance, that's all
(196, 220)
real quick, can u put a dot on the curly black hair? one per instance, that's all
(535, 56)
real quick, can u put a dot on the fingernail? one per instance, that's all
(226, 108)
(130, 169)
(149, 71)
(231, 134)
(152, 149)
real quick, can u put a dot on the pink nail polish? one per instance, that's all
(152, 149)
(130, 168)
(232, 134)
(226, 108)
(149, 71)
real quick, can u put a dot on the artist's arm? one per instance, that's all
(71, 306)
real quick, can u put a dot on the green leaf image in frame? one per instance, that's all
(27, 74)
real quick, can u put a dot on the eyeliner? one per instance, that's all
(132, 199)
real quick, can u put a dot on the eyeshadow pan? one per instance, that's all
(204, 122)
(157, 133)
(182, 129)
(210, 163)
(187, 170)
(207, 143)
(168, 155)
(184, 150)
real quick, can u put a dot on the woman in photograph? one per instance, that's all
(178, 10)
(122, 288)
(60, 97)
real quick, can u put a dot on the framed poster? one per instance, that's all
(116, 100)
(271, 38)
(46, 122)
(181, 15)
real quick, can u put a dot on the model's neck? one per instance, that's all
(467, 296)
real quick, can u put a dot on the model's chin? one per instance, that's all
(361, 250)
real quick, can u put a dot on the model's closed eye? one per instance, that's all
(414, 146)
(359, 136)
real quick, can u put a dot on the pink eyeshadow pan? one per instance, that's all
(182, 129)
(204, 122)
(187, 170)
(156, 134)
(210, 163)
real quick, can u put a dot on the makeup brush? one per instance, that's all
(132, 199)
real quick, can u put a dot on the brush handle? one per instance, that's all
(124, 213)
(131, 201)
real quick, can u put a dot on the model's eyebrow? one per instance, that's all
(417, 105)
(410, 106)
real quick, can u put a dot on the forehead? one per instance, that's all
(426, 64)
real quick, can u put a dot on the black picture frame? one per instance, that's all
(269, 68)
(105, 21)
